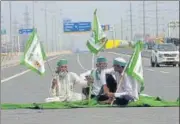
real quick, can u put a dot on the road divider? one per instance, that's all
(14, 60)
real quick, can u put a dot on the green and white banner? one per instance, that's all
(135, 68)
(98, 38)
(34, 54)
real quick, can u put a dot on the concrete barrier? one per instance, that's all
(11, 60)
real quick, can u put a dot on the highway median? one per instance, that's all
(12, 59)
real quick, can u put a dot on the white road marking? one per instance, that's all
(24, 72)
(14, 76)
(78, 60)
(121, 54)
(150, 69)
(165, 72)
(118, 54)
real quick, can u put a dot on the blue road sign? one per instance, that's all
(77, 26)
(25, 31)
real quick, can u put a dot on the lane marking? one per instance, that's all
(24, 72)
(78, 60)
(149, 69)
(165, 72)
(14, 76)
(118, 54)
(121, 54)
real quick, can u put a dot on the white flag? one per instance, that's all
(98, 38)
(135, 68)
(34, 54)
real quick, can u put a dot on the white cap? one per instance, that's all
(119, 61)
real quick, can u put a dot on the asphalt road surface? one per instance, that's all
(28, 87)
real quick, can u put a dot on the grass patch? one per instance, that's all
(142, 102)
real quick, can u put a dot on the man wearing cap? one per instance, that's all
(128, 90)
(63, 84)
(96, 77)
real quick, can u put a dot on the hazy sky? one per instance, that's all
(109, 12)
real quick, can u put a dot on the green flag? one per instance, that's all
(34, 54)
(135, 68)
(98, 38)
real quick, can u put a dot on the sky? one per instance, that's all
(113, 13)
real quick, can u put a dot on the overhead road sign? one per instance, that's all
(25, 31)
(77, 27)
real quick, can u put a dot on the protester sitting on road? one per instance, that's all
(128, 90)
(95, 77)
(63, 84)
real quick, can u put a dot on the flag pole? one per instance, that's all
(119, 84)
(48, 62)
(90, 86)
(50, 68)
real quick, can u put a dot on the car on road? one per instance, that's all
(164, 54)
(150, 45)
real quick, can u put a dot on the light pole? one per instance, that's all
(45, 14)
(157, 28)
(131, 34)
(52, 33)
(10, 15)
(144, 23)
(33, 14)
(121, 29)
(55, 32)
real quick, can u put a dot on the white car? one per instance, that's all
(165, 54)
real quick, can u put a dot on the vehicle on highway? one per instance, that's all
(175, 41)
(149, 45)
(165, 54)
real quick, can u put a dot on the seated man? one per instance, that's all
(63, 84)
(128, 90)
(98, 83)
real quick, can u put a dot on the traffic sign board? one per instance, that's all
(25, 31)
(81, 26)
(77, 27)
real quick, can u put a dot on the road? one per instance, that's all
(29, 87)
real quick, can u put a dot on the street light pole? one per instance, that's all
(144, 24)
(157, 28)
(45, 12)
(56, 41)
(121, 28)
(33, 15)
(131, 34)
(10, 18)
(52, 26)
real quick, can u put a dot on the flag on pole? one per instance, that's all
(98, 38)
(135, 68)
(34, 54)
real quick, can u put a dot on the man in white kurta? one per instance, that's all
(62, 88)
(128, 90)
(96, 77)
